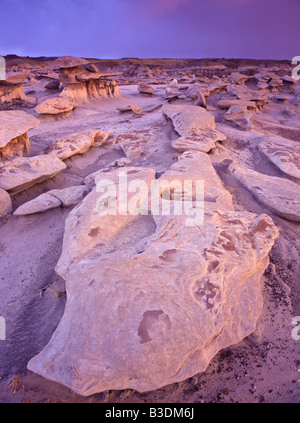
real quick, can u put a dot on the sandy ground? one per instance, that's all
(265, 367)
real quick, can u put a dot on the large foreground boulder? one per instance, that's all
(151, 300)
(11, 88)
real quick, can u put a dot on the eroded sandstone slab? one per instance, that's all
(67, 197)
(285, 154)
(23, 172)
(155, 308)
(56, 105)
(78, 143)
(279, 194)
(196, 127)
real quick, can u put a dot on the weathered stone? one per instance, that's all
(146, 89)
(5, 203)
(121, 162)
(40, 204)
(67, 197)
(228, 102)
(240, 117)
(78, 143)
(14, 140)
(184, 292)
(278, 194)
(130, 108)
(239, 78)
(11, 88)
(285, 154)
(14, 78)
(196, 127)
(138, 143)
(56, 105)
(23, 172)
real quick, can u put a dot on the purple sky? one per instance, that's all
(262, 29)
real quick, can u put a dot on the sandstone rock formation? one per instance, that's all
(56, 105)
(278, 194)
(14, 140)
(285, 154)
(11, 88)
(226, 103)
(145, 89)
(78, 143)
(240, 117)
(138, 143)
(23, 172)
(80, 85)
(5, 203)
(67, 197)
(130, 108)
(196, 127)
(155, 310)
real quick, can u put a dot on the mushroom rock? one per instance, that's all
(78, 143)
(156, 309)
(56, 105)
(23, 172)
(67, 197)
(90, 88)
(285, 154)
(14, 140)
(82, 85)
(5, 203)
(280, 195)
(12, 89)
(195, 125)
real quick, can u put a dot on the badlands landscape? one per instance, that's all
(143, 307)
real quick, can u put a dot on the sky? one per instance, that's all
(107, 29)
